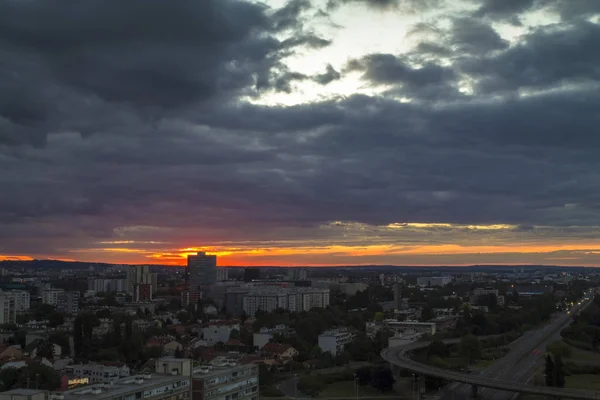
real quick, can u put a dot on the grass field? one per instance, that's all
(583, 382)
(583, 357)
(346, 389)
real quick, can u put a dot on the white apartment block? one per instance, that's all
(97, 373)
(335, 340)
(426, 281)
(22, 300)
(219, 331)
(293, 299)
(107, 285)
(51, 296)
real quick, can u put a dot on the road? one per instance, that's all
(509, 374)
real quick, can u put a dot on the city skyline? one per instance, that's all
(300, 133)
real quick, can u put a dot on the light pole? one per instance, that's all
(356, 386)
(295, 386)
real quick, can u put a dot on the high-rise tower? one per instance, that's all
(201, 270)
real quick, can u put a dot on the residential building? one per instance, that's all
(68, 302)
(222, 274)
(399, 326)
(265, 335)
(219, 331)
(478, 293)
(108, 285)
(8, 311)
(335, 340)
(428, 281)
(279, 351)
(22, 300)
(50, 296)
(201, 271)
(154, 386)
(138, 275)
(234, 300)
(142, 293)
(97, 373)
(225, 380)
(293, 299)
(297, 274)
(24, 394)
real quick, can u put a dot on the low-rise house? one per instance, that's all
(11, 353)
(171, 348)
(219, 331)
(265, 335)
(279, 351)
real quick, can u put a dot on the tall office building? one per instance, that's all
(201, 271)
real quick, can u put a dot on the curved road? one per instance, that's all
(400, 356)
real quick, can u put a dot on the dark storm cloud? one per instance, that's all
(505, 8)
(147, 134)
(546, 57)
(176, 55)
(425, 81)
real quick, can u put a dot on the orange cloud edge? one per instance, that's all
(584, 254)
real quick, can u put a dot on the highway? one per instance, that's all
(508, 375)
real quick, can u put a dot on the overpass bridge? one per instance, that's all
(401, 357)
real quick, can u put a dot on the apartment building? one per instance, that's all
(24, 394)
(399, 327)
(97, 373)
(153, 386)
(219, 331)
(107, 285)
(428, 281)
(8, 312)
(50, 296)
(293, 299)
(225, 380)
(335, 340)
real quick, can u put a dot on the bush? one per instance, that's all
(311, 386)
(559, 348)
(270, 391)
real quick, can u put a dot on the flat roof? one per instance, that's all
(220, 370)
(122, 387)
(23, 392)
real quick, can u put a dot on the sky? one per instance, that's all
(301, 132)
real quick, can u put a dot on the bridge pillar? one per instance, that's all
(474, 391)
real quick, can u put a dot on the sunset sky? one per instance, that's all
(301, 132)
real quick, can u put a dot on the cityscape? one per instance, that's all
(299, 199)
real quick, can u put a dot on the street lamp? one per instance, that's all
(295, 386)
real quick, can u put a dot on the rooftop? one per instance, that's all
(23, 392)
(220, 366)
(126, 386)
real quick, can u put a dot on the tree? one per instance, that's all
(560, 349)
(234, 334)
(364, 375)
(55, 319)
(550, 371)
(183, 317)
(45, 349)
(383, 379)
(559, 372)
(379, 316)
(470, 348)
(427, 313)
(437, 348)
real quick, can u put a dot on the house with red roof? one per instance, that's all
(279, 351)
